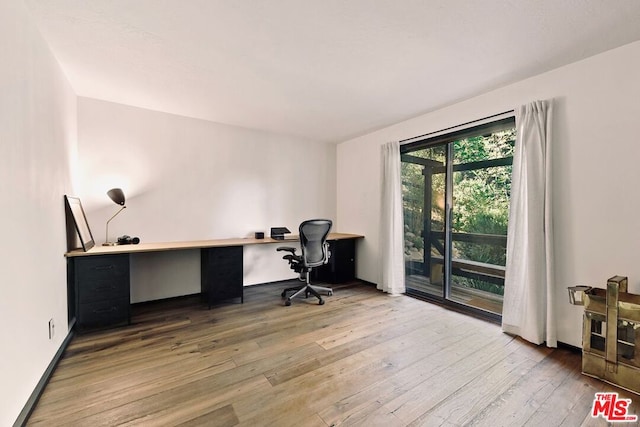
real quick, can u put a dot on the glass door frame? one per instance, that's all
(449, 139)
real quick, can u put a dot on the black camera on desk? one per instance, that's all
(128, 240)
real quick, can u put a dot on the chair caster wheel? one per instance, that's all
(283, 294)
(330, 293)
(287, 302)
(306, 294)
(321, 302)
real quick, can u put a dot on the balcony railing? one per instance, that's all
(490, 273)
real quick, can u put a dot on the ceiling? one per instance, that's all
(323, 70)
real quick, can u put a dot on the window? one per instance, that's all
(456, 191)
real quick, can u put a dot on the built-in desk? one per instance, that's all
(98, 281)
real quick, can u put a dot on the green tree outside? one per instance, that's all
(480, 200)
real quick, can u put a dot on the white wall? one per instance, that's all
(189, 179)
(596, 172)
(37, 151)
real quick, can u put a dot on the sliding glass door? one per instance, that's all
(456, 205)
(423, 180)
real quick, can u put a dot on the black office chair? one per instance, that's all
(315, 252)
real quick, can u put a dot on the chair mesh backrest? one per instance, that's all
(313, 235)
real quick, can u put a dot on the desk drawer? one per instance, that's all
(102, 267)
(102, 278)
(104, 313)
(101, 284)
(103, 289)
(222, 273)
(342, 263)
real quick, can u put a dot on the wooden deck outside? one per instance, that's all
(363, 358)
(479, 299)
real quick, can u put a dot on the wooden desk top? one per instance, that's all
(194, 244)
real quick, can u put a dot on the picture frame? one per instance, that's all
(77, 220)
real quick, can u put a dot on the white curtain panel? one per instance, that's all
(391, 222)
(528, 309)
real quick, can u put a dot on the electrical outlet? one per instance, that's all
(52, 329)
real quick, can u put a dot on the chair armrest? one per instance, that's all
(327, 252)
(286, 248)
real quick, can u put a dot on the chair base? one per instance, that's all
(306, 290)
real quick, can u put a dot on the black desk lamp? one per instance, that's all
(117, 196)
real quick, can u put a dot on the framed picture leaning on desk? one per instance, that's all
(77, 225)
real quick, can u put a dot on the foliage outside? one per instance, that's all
(480, 201)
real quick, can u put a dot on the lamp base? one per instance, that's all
(110, 244)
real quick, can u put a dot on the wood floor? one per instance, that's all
(363, 358)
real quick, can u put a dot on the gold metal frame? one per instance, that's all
(611, 334)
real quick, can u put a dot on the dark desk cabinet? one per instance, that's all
(341, 267)
(221, 274)
(101, 285)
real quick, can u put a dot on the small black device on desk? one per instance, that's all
(278, 233)
(128, 240)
